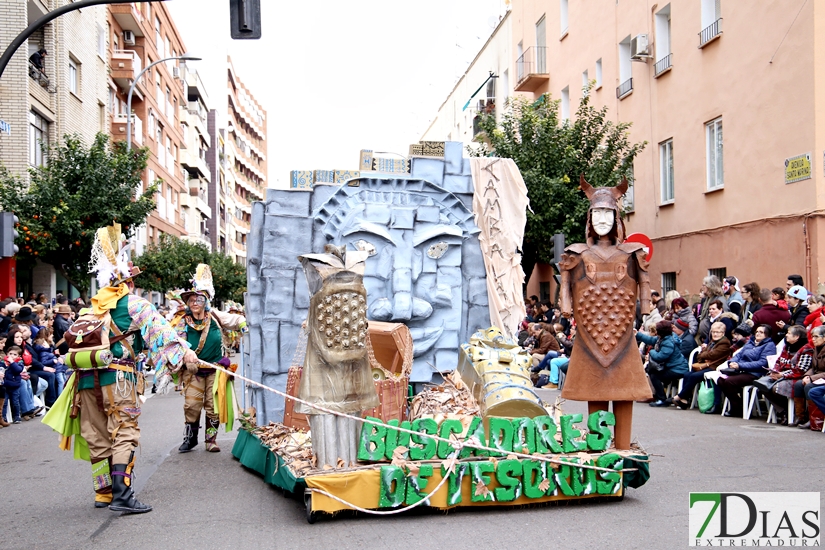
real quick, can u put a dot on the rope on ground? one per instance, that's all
(452, 442)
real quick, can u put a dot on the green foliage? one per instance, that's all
(171, 263)
(80, 190)
(551, 155)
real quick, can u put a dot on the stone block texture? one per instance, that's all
(426, 268)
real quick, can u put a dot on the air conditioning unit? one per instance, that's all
(176, 72)
(639, 47)
(129, 38)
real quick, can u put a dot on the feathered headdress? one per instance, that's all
(110, 257)
(201, 284)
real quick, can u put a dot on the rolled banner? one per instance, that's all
(89, 359)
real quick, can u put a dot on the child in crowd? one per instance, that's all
(49, 357)
(13, 379)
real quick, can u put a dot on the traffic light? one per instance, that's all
(8, 234)
(245, 19)
(558, 247)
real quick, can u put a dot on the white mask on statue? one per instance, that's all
(602, 220)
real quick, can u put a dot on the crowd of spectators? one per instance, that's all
(736, 336)
(32, 347)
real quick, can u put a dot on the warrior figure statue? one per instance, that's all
(600, 282)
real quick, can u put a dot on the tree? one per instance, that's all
(551, 154)
(171, 263)
(80, 190)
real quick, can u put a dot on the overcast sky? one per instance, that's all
(336, 76)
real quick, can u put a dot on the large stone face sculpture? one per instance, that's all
(600, 283)
(425, 267)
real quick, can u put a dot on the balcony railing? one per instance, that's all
(38, 76)
(119, 128)
(663, 65)
(126, 65)
(711, 32)
(531, 69)
(624, 88)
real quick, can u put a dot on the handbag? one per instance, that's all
(706, 397)
(765, 384)
(653, 366)
(730, 372)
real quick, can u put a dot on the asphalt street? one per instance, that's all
(208, 500)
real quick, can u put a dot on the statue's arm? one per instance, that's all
(568, 261)
(644, 281)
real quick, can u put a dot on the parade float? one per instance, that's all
(380, 378)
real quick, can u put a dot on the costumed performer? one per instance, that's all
(102, 400)
(600, 281)
(204, 387)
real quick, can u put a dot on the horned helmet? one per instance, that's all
(604, 197)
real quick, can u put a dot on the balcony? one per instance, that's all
(625, 88)
(195, 165)
(663, 65)
(126, 65)
(531, 69)
(710, 33)
(119, 129)
(128, 17)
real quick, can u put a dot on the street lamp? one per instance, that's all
(184, 57)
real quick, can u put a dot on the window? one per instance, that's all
(720, 272)
(101, 116)
(563, 18)
(565, 104)
(713, 133)
(505, 85)
(711, 12)
(74, 76)
(625, 70)
(544, 291)
(158, 38)
(668, 282)
(151, 122)
(598, 73)
(38, 139)
(666, 171)
(520, 68)
(585, 83)
(663, 57)
(101, 41)
(541, 47)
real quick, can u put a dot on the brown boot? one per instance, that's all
(800, 415)
(3, 423)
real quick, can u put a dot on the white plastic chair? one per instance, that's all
(772, 413)
(750, 400)
(692, 356)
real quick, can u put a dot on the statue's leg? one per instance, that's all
(593, 406)
(623, 410)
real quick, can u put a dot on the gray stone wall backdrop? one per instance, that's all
(426, 271)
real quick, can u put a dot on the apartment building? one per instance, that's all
(749, 205)
(195, 209)
(141, 33)
(488, 77)
(38, 107)
(221, 197)
(245, 169)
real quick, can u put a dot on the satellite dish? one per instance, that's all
(492, 21)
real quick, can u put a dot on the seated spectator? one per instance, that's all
(750, 293)
(794, 361)
(558, 364)
(751, 363)
(712, 355)
(31, 359)
(778, 296)
(688, 344)
(666, 355)
(730, 290)
(816, 400)
(670, 295)
(12, 381)
(681, 310)
(715, 308)
(545, 342)
(817, 315)
(772, 315)
(803, 387)
(49, 357)
(26, 394)
(798, 302)
(739, 337)
(544, 313)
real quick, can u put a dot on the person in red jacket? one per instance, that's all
(817, 315)
(772, 315)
